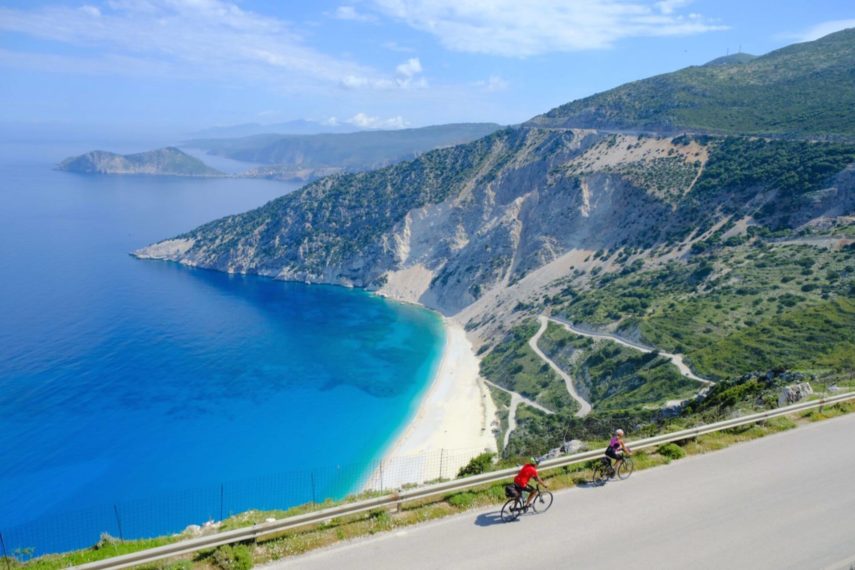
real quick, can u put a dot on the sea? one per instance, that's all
(140, 397)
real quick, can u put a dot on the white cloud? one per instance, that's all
(185, 38)
(819, 30)
(408, 74)
(492, 84)
(368, 122)
(669, 6)
(91, 10)
(395, 46)
(350, 13)
(520, 29)
(410, 68)
(407, 77)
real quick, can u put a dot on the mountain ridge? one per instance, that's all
(801, 91)
(669, 239)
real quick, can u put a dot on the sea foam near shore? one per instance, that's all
(453, 423)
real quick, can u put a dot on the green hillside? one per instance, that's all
(804, 90)
(347, 151)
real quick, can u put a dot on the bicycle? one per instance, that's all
(603, 470)
(513, 508)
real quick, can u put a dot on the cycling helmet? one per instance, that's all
(534, 460)
(618, 431)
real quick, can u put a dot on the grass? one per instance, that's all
(503, 405)
(295, 542)
(514, 365)
(735, 306)
(614, 377)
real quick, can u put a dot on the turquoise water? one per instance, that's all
(137, 397)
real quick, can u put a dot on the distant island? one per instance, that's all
(305, 157)
(291, 158)
(168, 161)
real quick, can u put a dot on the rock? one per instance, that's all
(795, 393)
(105, 540)
(193, 530)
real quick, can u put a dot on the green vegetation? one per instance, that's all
(299, 541)
(513, 365)
(503, 404)
(232, 557)
(349, 151)
(805, 89)
(671, 451)
(668, 177)
(339, 217)
(614, 377)
(736, 306)
(477, 465)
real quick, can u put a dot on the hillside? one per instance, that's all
(168, 161)
(805, 90)
(734, 251)
(293, 155)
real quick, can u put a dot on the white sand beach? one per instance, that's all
(453, 422)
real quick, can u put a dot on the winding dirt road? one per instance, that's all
(677, 359)
(584, 405)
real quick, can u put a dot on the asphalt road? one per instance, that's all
(784, 501)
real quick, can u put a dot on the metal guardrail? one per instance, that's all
(270, 529)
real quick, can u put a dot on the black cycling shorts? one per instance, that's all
(520, 488)
(610, 452)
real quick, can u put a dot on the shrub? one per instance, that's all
(477, 465)
(237, 557)
(672, 451)
(462, 501)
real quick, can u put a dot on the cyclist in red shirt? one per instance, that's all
(528, 472)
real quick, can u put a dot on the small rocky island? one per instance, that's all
(168, 161)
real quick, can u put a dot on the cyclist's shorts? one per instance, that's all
(520, 489)
(610, 452)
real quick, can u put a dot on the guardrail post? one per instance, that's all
(6, 556)
(119, 522)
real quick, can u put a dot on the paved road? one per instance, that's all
(584, 405)
(783, 502)
(677, 359)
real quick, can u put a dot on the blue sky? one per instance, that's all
(179, 65)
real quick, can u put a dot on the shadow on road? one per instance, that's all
(488, 519)
(589, 484)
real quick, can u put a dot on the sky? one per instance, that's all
(180, 65)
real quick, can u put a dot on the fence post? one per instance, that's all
(381, 474)
(441, 454)
(119, 522)
(314, 501)
(222, 502)
(5, 556)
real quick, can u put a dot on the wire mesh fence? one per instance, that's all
(190, 510)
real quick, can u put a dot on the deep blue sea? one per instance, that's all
(137, 397)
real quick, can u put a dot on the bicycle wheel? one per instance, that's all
(511, 510)
(542, 503)
(625, 469)
(599, 476)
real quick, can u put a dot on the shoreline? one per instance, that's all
(452, 424)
